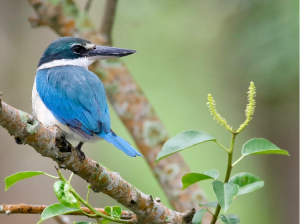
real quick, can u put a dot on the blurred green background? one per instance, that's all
(186, 49)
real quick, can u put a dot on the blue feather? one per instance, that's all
(120, 143)
(76, 97)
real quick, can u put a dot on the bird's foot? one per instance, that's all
(63, 144)
(81, 154)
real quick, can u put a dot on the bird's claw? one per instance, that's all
(80, 153)
(63, 144)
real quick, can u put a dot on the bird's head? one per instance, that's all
(77, 51)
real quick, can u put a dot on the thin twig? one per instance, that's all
(108, 20)
(236, 162)
(88, 5)
(38, 209)
(222, 146)
(1, 94)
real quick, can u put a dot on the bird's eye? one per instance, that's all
(78, 49)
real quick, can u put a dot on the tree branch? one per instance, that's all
(108, 21)
(53, 16)
(38, 209)
(134, 109)
(27, 130)
(88, 5)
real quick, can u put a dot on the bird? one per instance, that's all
(66, 94)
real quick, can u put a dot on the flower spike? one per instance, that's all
(250, 107)
(213, 111)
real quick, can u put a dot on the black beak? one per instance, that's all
(104, 52)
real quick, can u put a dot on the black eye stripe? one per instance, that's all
(78, 49)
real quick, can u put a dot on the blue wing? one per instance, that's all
(76, 97)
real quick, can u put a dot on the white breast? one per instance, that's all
(44, 115)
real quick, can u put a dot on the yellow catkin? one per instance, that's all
(250, 107)
(213, 111)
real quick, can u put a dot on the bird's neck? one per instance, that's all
(82, 62)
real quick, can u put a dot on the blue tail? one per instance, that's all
(120, 143)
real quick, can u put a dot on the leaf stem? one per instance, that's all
(61, 176)
(95, 211)
(236, 162)
(71, 177)
(210, 212)
(89, 215)
(228, 172)
(51, 176)
(222, 146)
(88, 193)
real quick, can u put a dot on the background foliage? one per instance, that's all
(186, 49)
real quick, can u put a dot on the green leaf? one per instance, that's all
(257, 146)
(230, 219)
(247, 182)
(104, 221)
(107, 209)
(213, 204)
(225, 193)
(63, 194)
(182, 141)
(191, 178)
(197, 219)
(11, 180)
(115, 211)
(86, 222)
(78, 203)
(55, 210)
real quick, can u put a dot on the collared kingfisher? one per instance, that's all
(65, 93)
